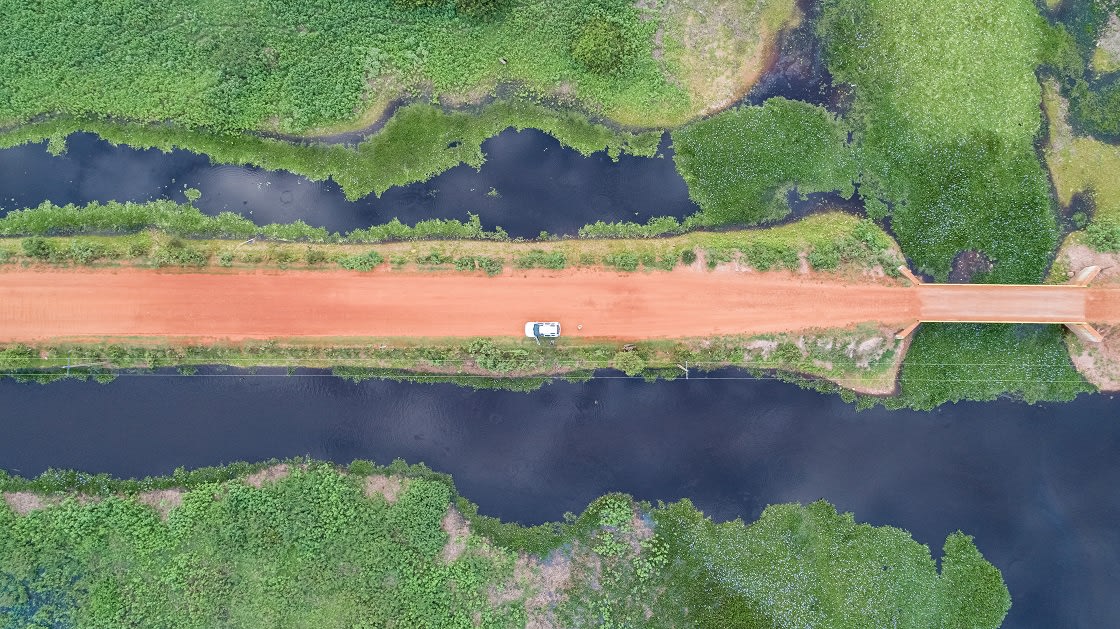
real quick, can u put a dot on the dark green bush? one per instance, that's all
(361, 262)
(623, 261)
(602, 45)
(39, 248)
(825, 257)
(766, 256)
(741, 163)
(315, 256)
(434, 257)
(540, 259)
(180, 255)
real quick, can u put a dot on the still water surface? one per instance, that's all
(1037, 485)
(529, 183)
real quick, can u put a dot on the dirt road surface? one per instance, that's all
(50, 304)
(42, 304)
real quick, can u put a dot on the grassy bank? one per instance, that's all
(946, 112)
(235, 66)
(862, 358)
(417, 143)
(305, 543)
(1083, 165)
(183, 236)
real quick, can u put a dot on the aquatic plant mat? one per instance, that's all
(302, 542)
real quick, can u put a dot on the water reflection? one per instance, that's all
(529, 183)
(1035, 485)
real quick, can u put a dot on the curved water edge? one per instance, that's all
(1034, 484)
(529, 183)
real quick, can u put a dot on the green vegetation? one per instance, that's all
(730, 575)
(862, 358)
(1084, 53)
(832, 242)
(235, 66)
(417, 143)
(541, 259)
(741, 164)
(361, 262)
(953, 362)
(945, 116)
(306, 544)
(1080, 164)
(186, 221)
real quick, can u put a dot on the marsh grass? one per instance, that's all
(741, 163)
(948, 153)
(335, 550)
(417, 143)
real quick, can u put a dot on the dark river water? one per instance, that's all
(529, 183)
(1037, 485)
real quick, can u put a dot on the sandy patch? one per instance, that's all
(1107, 57)
(163, 500)
(458, 531)
(541, 584)
(24, 502)
(1099, 363)
(388, 487)
(1076, 257)
(268, 475)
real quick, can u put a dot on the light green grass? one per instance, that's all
(740, 164)
(946, 111)
(418, 142)
(238, 65)
(314, 547)
(954, 362)
(729, 575)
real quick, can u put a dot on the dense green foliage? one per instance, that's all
(313, 549)
(235, 65)
(740, 164)
(946, 111)
(418, 142)
(308, 551)
(1094, 97)
(953, 362)
(1097, 108)
(187, 221)
(779, 572)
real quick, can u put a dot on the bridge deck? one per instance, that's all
(994, 303)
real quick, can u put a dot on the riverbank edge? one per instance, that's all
(417, 142)
(864, 359)
(835, 245)
(613, 531)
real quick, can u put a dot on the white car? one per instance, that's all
(540, 329)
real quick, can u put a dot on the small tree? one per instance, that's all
(630, 363)
(192, 195)
(602, 46)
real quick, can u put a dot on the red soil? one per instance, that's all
(42, 304)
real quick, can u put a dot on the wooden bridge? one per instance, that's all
(1066, 304)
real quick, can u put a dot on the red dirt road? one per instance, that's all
(46, 304)
(42, 304)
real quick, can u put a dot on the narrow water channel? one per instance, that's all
(529, 183)
(1036, 485)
